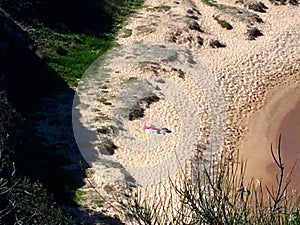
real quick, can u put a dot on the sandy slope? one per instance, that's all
(212, 107)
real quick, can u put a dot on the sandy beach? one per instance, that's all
(213, 99)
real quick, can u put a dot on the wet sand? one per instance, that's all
(290, 130)
(281, 115)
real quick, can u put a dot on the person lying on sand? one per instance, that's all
(158, 131)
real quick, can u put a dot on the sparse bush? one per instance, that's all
(284, 2)
(31, 204)
(217, 193)
(193, 25)
(104, 130)
(214, 43)
(137, 110)
(135, 113)
(107, 146)
(160, 8)
(21, 200)
(223, 23)
(253, 33)
(258, 7)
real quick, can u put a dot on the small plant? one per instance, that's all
(223, 23)
(253, 33)
(284, 2)
(98, 202)
(103, 130)
(179, 72)
(160, 8)
(214, 43)
(258, 7)
(107, 147)
(210, 2)
(89, 172)
(126, 33)
(104, 101)
(103, 87)
(79, 196)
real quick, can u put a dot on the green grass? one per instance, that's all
(73, 65)
(70, 54)
(78, 196)
(98, 202)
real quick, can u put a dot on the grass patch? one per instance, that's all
(210, 2)
(79, 196)
(71, 52)
(73, 65)
(107, 147)
(103, 130)
(126, 33)
(97, 202)
(104, 101)
(160, 8)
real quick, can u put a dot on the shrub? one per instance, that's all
(31, 204)
(216, 193)
(223, 23)
(253, 33)
(107, 146)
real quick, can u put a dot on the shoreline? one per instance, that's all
(273, 119)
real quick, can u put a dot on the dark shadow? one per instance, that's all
(67, 16)
(49, 152)
(90, 218)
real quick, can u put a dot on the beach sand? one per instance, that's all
(250, 95)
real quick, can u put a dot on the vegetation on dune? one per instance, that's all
(70, 35)
(223, 23)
